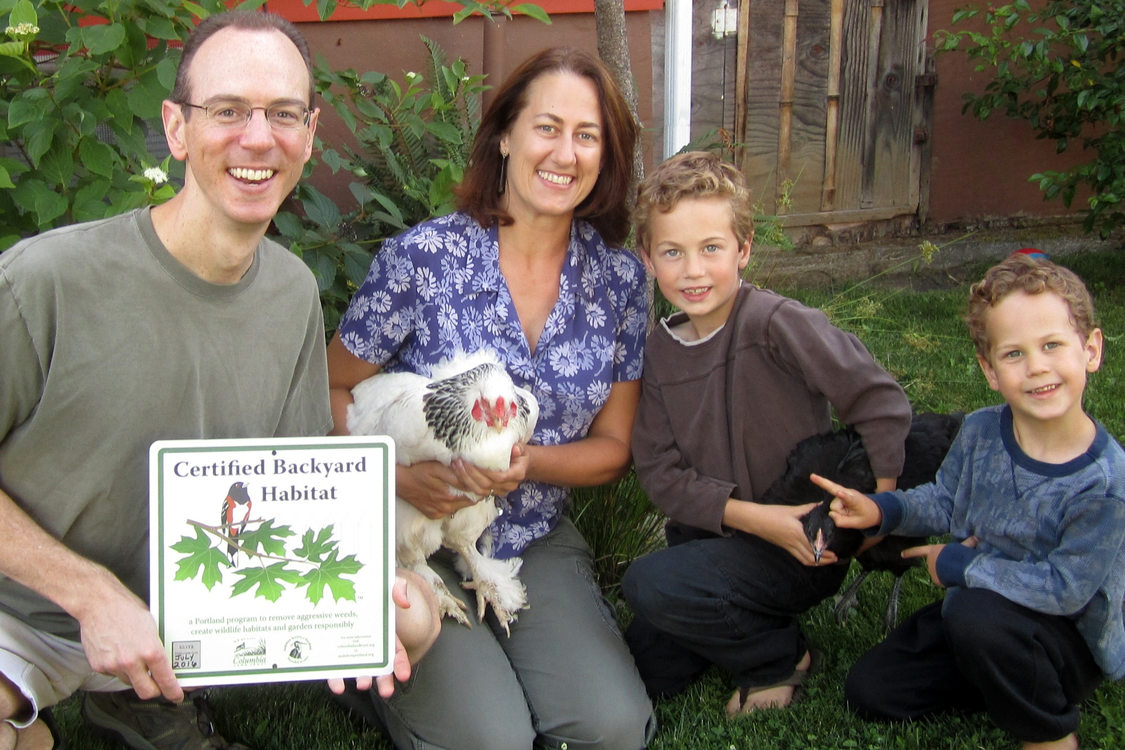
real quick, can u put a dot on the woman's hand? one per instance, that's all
(438, 491)
(432, 488)
(478, 481)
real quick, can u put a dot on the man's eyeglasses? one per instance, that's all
(232, 113)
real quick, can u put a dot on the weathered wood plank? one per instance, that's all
(810, 99)
(831, 104)
(857, 72)
(763, 91)
(891, 178)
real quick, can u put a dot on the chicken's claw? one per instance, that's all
(488, 594)
(451, 606)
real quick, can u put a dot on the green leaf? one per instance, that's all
(288, 224)
(5, 178)
(267, 582)
(325, 8)
(97, 157)
(194, 9)
(531, 10)
(166, 71)
(200, 556)
(391, 208)
(161, 28)
(73, 81)
(444, 130)
(30, 105)
(40, 140)
(323, 266)
(90, 201)
(146, 96)
(57, 167)
(266, 537)
(332, 158)
(23, 12)
(132, 53)
(330, 575)
(356, 264)
(103, 38)
(320, 209)
(316, 547)
(17, 52)
(254, 4)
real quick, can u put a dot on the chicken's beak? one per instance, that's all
(499, 415)
(818, 546)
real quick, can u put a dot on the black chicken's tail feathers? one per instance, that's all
(839, 456)
(926, 445)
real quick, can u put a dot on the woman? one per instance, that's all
(526, 268)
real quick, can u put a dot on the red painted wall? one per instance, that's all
(980, 169)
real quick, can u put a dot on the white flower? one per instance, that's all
(21, 30)
(157, 175)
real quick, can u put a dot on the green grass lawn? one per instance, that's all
(919, 337)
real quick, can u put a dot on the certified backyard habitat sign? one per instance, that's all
(273, 560)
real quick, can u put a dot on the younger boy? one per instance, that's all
(731, 384)
(1033, 494)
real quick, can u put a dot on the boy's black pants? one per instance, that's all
(977, 651)
(732, 601)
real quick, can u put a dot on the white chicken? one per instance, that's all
(468, 409)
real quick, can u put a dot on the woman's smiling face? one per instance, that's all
(554, 148)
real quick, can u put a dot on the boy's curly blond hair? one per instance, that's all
(1025, 273)
(693, 174)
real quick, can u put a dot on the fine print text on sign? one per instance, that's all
(273, 560)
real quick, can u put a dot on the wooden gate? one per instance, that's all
(836, 99)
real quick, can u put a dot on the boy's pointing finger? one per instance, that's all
(826, 484)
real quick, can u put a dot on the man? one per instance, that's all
(177, 322)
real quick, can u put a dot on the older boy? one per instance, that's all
(731, 384)
(1033, 494)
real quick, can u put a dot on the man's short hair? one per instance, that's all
(238, 19)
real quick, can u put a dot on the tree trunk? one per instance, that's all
(613, 48)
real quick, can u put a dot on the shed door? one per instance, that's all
(836, 101)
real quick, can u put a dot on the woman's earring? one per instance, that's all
(503, 174)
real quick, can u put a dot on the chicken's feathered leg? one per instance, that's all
(495, 581)
(416, 538)
(448, 604)
(496, 584)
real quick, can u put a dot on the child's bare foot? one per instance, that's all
(1070, 742)
(746, 701)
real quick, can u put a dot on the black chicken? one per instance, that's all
(841, 457)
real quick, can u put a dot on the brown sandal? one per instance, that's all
(736, 707)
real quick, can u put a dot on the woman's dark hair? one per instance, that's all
(605, 207)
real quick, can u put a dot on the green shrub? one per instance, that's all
(412, 143)
(1057, 67)
(81, 86)
(75, 103)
